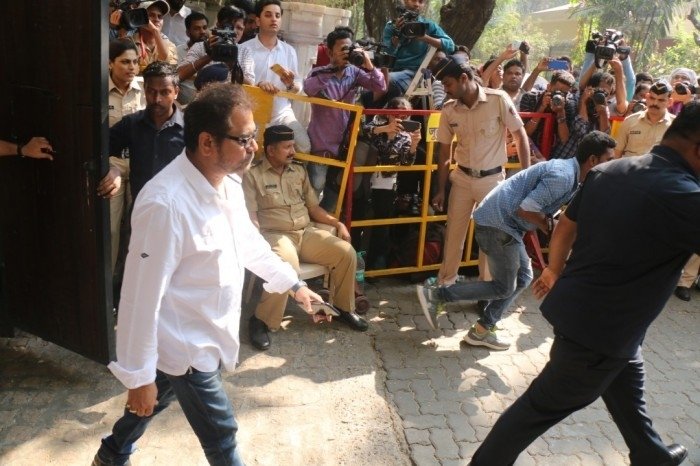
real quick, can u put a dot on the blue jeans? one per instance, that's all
(510, 268)
(206, 406)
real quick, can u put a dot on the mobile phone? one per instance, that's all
(553, 65)
(278, 70)
(522, 46)
(410, 125)
(324, 308)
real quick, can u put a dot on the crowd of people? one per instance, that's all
(182, 183)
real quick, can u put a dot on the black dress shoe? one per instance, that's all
(678, 454)
(682, 292)
(257, 330)
(353, 320)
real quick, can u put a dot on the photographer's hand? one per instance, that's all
(367, 65)
(115, 18)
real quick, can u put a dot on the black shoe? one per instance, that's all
(96, 461)
(678, 454)
(682, 292)
(353, 320)
(257, 330)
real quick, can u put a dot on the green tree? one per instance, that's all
(643, 22)
(684, 53)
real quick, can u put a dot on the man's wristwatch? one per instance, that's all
(297, 286)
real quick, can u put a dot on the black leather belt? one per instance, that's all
(480, 173)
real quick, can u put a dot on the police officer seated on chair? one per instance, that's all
(282, 204)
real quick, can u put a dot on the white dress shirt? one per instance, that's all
(181, 297)
(174, 26)
(245, 59)
(263, 58)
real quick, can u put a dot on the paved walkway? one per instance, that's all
(324, 395)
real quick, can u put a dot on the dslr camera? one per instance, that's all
(599, 97)
(558, 98)
(225, 49)
(131, 18)
(411, 27)
(379, 57)
(685, 87)
(608, 44)
(638, 105)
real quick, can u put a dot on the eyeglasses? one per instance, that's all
(245, 142)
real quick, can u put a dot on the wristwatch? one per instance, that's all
(297, 286)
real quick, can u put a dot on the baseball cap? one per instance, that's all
(162, 4)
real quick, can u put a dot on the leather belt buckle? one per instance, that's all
(480, 173)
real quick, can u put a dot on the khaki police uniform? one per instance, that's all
(282, 204)
(121, 104)
(637, 134)
(690, 271)
(480, 154)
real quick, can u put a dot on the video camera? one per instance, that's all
(607, 45)
(225, 49)
(411, 27)
(131, 18)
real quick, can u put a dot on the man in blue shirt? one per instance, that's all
(522, 203)
(629, 231)
(154, 136)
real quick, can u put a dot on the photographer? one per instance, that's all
(683, 80)
(349, 69)
(117, 23)
(151, 43)
(594, 107)
(643, 130)
(410, 49)
(512, 75)
(559, 100)
(200, 54)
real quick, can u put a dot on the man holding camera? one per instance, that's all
(558, 100)
(349, 69)
(643, 130)
(408, 38)
(151, 43)
(229, 19)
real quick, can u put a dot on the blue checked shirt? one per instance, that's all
(544, 188)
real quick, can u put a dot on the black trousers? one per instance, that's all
(573, 378)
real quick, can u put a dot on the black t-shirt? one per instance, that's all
(638, 222)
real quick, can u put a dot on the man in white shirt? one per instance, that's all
(267, 50)
(180, 304)
(174, 22)
(197, 29)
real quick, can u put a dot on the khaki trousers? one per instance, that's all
(466, 193)
(690, 271)
(315, 246)
(118, 205)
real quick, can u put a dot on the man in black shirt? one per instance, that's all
(630, 229)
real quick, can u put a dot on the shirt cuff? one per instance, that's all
(529, 205)
(133, 379)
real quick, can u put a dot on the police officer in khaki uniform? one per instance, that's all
(478, 117)
(282, 203)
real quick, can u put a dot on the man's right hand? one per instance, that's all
(110, 184)
(142, 400)
(438, 201)
(542, 285)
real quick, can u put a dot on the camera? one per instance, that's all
(557, 98)
(600, 97)
(411, 26)
(225, 49)
(608, 46)
(684, 88)
(355, 57)
(131, 18)
(639, 105)
(380, 59)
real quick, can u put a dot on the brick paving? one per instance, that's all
(399, 394)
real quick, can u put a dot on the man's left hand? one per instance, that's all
(542, 285)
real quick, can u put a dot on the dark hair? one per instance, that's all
(642, 87)
(643, 76)
(229, 13)
(245, 5)
(210, 112)
(512, 63)
(119, 46)
(594, 143)
(160, 69)
(686, 124)
(601, 77)
(261, 4)
(564, 77)
(464, 49)
(454, 67)
(194, 16)
(397, 101)
(339, 33)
